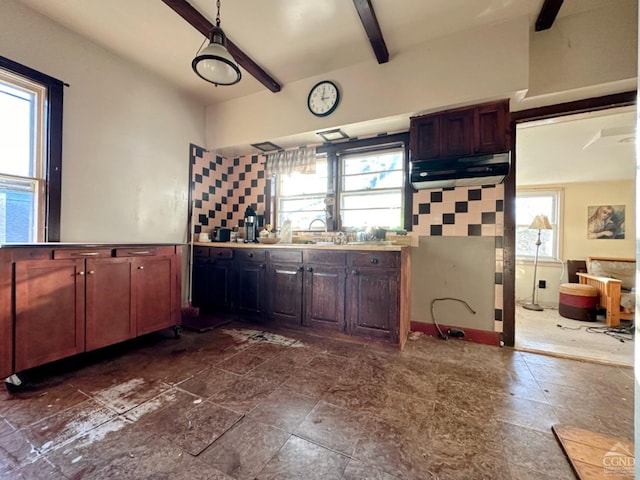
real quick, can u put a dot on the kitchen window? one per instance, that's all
(356, 184)
(30, 154)
(530, 203)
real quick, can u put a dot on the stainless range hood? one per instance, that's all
(458, 172)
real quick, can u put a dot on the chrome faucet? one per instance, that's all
(318, 220)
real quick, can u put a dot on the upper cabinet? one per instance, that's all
(479, 129)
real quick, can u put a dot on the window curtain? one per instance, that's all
(300, 160)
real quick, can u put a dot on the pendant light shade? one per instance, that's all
(214, 63)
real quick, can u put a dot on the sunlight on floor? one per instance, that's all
(539, 331)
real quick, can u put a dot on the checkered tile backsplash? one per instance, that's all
(465, 212)
(222, 188)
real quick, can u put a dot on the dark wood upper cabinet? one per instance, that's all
(491, 131)
(479, 129)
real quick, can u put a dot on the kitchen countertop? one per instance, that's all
(366, 246)
(87, 244)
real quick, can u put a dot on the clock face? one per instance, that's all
(323, 98)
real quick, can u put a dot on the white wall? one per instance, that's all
(486, 63)
(594, 47)
(125, 169)
(574, 242)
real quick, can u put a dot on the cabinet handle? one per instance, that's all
(219, 254)
(374, 261)
(86, 254)
(262, 265)
(80, 273)
(355, 272)
(142, 252)
(141, 267)
(91, 272)
(309, 269)
(250, 255)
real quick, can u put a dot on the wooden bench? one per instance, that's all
(609, 288)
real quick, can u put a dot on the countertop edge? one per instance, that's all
(303, 246)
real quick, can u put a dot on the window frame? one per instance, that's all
(558, 194)
(51, 139)
(334, 166)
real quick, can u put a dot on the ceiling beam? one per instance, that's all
(372, 28)
(204, 26)
(548, 14)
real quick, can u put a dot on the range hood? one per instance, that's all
(460, 171)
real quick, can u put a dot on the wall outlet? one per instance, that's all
(542, 284)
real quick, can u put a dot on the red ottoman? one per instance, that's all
(578, 301)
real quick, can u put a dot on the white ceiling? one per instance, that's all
(297, 39)
(578, 148)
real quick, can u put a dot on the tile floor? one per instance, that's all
(235, 403)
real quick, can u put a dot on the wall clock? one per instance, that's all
(323, 98)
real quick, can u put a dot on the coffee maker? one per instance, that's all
(250, 225)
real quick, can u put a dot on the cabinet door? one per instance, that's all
(49, 316)
(373, 295)
(424, 137)
(154, 286)
(109, 302)
(249, 291)
(491, 134)
(201, 283)
(285, 293)
(457, 133)
(324, 293)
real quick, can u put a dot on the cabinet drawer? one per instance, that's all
(286, 256)
(144, 251)
(81, 253)
(251, 255)
(222, 253)
(201, 251)
(325, 257)
(375, 259)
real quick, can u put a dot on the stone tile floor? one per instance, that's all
(241, 403)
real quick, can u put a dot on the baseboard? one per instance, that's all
(470, 334)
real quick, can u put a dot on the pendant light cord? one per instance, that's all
(218, 15)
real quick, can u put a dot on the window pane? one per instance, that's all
(16, 131)
(528, 206)
(305, 184)
(373, 180)
(387, 218)
(17, 207)
(377, 200)
(380, 162)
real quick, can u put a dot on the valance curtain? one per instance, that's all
(300, 160)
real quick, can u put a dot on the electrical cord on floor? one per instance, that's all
(433, 316)
(622, 334)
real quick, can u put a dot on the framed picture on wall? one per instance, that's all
(605, 222)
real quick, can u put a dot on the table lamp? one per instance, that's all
(540, 222)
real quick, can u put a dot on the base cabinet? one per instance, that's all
(49, 311)
(373, 303)
(213, 279)
(363, 293)
(68, 301)
(250, 275)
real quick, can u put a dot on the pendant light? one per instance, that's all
(214, 63)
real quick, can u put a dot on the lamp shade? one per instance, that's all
(540, 222)
(214, 63)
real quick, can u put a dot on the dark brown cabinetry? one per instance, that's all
(285, 286)
(213, 279)
(66, 301)
(480, 129)
(364, 293)
(373, 295)
(324, 289)
(249, 272)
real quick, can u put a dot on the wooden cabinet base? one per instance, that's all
(67, 300)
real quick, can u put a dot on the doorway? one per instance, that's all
(581, 156)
